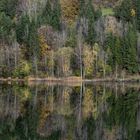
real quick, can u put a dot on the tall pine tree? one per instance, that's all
(22, 29)
(82, 8)
(56, 16)
(52, 14)
(86, 11)
(123, 11)
(137, 4)
(130, 61)
(90, 16)
(6, 26)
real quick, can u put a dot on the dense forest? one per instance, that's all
(61, 38)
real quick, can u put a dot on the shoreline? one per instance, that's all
(71, 79)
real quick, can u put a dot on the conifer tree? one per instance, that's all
(90, 16)
(47, 13)
(130, 52)
(33, 39)
(5, 27)
(86, 10)
(52, 14)
(22, 28)
(56, 15)
(123, 11)
(114, 50)
(137, 3)
(8, 7)
(110, 41)
(82, 8)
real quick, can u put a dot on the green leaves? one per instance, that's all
(22, 70)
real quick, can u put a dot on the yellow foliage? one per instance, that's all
(15, 19)
(23, 68)
(65, 108)
(89, 56)
(26, 67)
(88, 103)
(69, 10)
(64, 55)
(133, 13)
(26, 94)
(45, 112)
(43, 45)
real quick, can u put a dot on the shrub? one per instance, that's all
(22, 70)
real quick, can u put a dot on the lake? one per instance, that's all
(83, 111)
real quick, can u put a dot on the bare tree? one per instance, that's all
(80, 46)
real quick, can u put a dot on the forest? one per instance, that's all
(63, 38)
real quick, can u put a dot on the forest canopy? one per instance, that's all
(63, 38)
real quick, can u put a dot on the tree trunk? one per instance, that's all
(80, 50)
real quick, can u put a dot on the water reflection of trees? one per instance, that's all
(123, 113)
(63, 112)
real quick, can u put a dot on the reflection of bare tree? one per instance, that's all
(88, 104)
(79, 115)
(116, 89)
(9, 104)
(70, 110)
(15, 107)
(80, 51)
(35, 97)
(66, 101)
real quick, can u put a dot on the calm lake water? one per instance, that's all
(70, 112)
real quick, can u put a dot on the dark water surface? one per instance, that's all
(70, 112)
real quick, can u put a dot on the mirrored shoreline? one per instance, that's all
(83, 111)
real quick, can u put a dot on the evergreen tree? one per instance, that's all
(130, 54)
(5, 27)
(8, 7)
(26, 32)
(33, 39)
(56, 15)
(113, 47)
(86, 10)
(52, 14)
(109, 47)
(90, 16)
(47, 13)
(22, 28)
(123, 12)
(33, 45)
(82, 8)
(137, 3)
